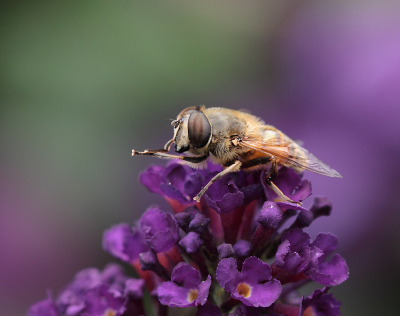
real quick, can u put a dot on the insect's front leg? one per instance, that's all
(148, 152)
(232, 168)
(163, 153)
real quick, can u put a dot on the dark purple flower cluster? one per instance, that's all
(240, 251)
(95, 293)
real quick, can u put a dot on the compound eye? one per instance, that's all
(199, 129)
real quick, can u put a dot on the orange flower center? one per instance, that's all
(244, 290)
(309, 311)
(192, 296)
(110, 312)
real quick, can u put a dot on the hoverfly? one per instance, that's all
(236, 140)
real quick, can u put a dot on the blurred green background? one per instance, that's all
(84, 82)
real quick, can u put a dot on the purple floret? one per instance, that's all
(253, 286)
(184, 218)
(320, 304)
(296, 254)
(134, 288)
(46, 307)
(291, 184)
(242, 248)
(293, 254)
(174, 182)
(199, 223)
(226, 251)
(250, 185)
(150, 178)
(328, 273)
(191, 242)
(321, 207)
(94, 292)
(185, 288)
(271, 215)
(124, 242)
(160, 228)
(223, 195)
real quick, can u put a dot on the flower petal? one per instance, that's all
(226, 270)
(169, 293)
(204, 289)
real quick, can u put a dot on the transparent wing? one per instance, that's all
(290, 154)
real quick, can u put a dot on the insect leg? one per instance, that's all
(280, 193)
(162, 153)
(232, 168)
(168, 145)
(271, 174)
(148, 152)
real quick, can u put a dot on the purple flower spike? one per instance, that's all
(160, 228)
(320, 304)
(185, 288)
(191, 242)
(253, 285)
(226, 251)
(223, 195)
(44, 308)
(124, 243)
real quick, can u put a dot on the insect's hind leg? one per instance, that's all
(270, 176)
(280, 193)
(273, 172)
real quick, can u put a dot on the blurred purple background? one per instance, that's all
(83, 83)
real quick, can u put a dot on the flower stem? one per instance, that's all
(247, 221)
(231, 224)
(286, 310)
(261, 237)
